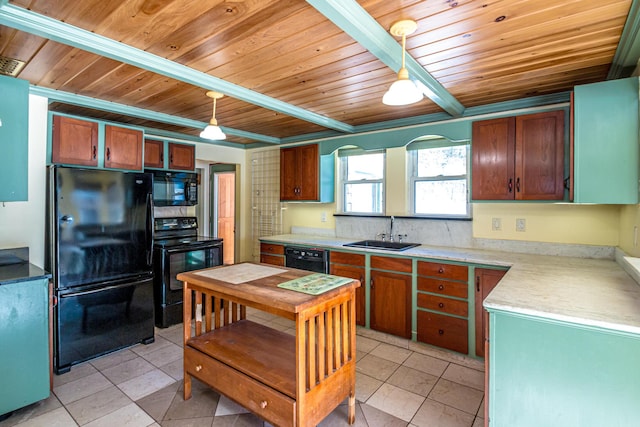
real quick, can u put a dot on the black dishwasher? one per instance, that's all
(311, 259)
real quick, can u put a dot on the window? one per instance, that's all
(439, 171)
(361, 181)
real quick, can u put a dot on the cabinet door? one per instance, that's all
(182, 156)
(74, 141)
(122, 148)
(391, 303)
(606, 145)
(493, 153)
(308, 161)
(486, 280)
(299, 173)
(357, 273)
(153, 154)
(540, 156)
(14, 140)
(288, 174)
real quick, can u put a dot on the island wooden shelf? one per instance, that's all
(284, 379)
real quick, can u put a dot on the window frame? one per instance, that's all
(413, 151)
(343, 155)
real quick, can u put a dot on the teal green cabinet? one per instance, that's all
(606, 142)
(14, 139)
(551, 373)
(24, 348)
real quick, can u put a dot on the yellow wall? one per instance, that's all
(548, 222)
(629, 229)
(606, 225)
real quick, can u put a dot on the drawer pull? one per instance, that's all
(440, 332)
(441, 270)
(263, 404)
(441, 305)
(441, 287)
(198, 368)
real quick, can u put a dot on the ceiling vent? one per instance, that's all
(10, 66)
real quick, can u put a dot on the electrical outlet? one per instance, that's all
(496, 224)
(521, 224)
(323, 217)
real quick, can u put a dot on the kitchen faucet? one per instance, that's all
(391, 229)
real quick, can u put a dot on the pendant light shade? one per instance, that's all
(213, 131)
(403, 91)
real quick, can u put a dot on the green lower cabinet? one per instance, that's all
(548, 373)
(24, 344)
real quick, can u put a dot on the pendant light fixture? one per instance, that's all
(403, 91)
(213, 131)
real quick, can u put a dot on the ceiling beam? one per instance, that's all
(43, 26)
(127, 110)
(627, 53)
(351, 18)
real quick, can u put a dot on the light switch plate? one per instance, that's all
(521, 224)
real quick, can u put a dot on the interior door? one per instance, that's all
(223, 209)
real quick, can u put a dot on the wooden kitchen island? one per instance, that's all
(285, 379)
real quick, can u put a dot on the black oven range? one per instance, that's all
(177, 248)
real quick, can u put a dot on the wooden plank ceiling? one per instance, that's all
(482, 52)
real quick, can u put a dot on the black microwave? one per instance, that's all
(175, 188)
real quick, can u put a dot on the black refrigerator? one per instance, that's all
(100, 242)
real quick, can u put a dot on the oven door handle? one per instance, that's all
(149, 228)
(191, 248)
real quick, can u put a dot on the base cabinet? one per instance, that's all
(272, 254)
(485, 280)
(551, 373)
(351, 265)
(24, 348)
(390, 287)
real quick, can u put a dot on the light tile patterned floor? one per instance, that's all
(398, 383)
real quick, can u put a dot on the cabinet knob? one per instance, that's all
(108, 153)
(518, 184)
(441, 270)
(441, 287)
(440, 332)
(94, 152)
(510, 185)
(263, 404)
(441, 305)
(198, 368)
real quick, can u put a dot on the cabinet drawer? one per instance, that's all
(269, 248)
(347, 258)
(443, 331)
(399, 265)
(275, 407)
(445, 271)
(444, 287)
(272, 259)
(446, 305)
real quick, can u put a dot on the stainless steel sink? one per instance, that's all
(379, 244)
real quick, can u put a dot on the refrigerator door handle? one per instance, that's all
(149, 228)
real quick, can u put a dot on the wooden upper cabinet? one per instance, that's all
(74, 141)
(519, 158)
(182, 156)
(153, 154)
(300, 173)
(122, 148)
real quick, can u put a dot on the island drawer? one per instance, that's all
(443, 271)
(446, 305)
(443, 331)
(260, 399)
(444, 287)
